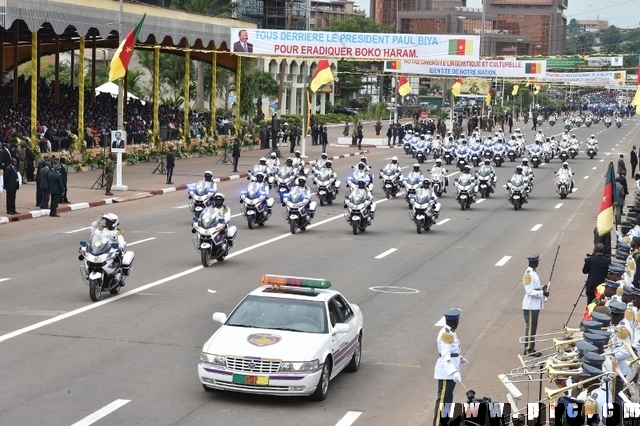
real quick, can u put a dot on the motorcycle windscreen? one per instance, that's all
(484, 171)
(208, 218)
(296, 195)
(422, 196)
(388, 170)
(202, 187)
(99, 244)
(517, 182)
(357, 197)
(253, 190)
(465, 180)
(324, 174)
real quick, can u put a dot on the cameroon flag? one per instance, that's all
(120, 62)
(604, 223)
(461, 47)
(404, 88)
(393, 65)
(516, 87)
(322, 76)
(457, 86)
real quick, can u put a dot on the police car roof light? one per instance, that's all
(283, 280)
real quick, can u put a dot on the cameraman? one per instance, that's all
(595, 266)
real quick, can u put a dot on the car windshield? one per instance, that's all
(99, 244)
(275, 313)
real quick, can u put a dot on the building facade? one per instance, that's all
(592, 26)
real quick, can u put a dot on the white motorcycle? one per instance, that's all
(256, 205)
(199, 194)
(299, 210)
(213, 237)
(465, 191)
(360, 211)
(105, 266)
(564, 185)
(424, 210)
(328, 185)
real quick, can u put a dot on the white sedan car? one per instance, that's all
(289, 337)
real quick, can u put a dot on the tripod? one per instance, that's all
(161, 167)
(102, 180)
(225, 158)
(276, 151)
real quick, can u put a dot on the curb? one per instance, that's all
(63, 208)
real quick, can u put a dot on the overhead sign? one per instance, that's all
(587, 78)
(564, 62)
(360, 46)
(458, 68)
(604, 61)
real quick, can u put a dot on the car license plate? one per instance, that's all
(251, 380)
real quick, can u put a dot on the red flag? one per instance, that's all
(120, 62)
(604, 222)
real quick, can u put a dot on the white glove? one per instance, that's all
(457, 377)
(99, 219)
(463, 361)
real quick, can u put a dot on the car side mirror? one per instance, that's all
(341, 328)
(220, 317)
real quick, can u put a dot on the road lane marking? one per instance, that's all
(78, 230)
(386, 253)
(161, 281)
(349, 418)
(4, 279)
(141, 241)
(535, 228)
(103, 412)
(503, 261)
(182, 207)
(558, 205)
(601, 160)
(574, 189)
(443, 221)
(593, 168)
(236, 215)
(480, 200)
(586, 177)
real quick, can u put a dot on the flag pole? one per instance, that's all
(119, 186)
(305, 98)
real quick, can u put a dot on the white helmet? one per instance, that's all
(111, 217)
(394, 159)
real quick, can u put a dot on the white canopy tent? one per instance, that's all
(112, 89)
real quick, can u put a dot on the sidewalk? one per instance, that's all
(142, 183)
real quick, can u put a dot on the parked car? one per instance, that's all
(339, 109)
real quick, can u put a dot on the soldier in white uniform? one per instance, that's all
(532, 303)
(447, 369)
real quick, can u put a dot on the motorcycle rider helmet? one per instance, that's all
(323, 156)
(362, 184)
(573, 136)
(302, 181)
(464, 141)
(363, 160)
(466, 169)
(487, 162)
(298, 153)
(525, 162)
(361, 166)
(513, 137)
(263, 161)
(428, 133)
(218, 200)
(328, 164)
(394, 160)
(111, 221)
(426, 183)
(593, 136)
(208, 176)
(565, 165)
(416, 167)
(422, 137)
(289, 161)
(519, 169)
(273, 155)
(438, 162)
(539, 132)
(260, 177)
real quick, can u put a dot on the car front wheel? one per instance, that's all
(323, 383)
(354, 365)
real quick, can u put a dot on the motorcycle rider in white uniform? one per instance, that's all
(109, 229)
(565, 171)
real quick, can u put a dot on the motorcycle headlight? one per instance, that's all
(300, 366)
(213, 359)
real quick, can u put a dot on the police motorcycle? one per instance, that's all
(564, 181)
(607, 121)
(486, 180)
(447, 151)
(592, 146)
(499, 150)
(106, 266)
(285, 179)
(595, 118)
(327, 183)
(588, 121)
(360, 208)
(618, 122)
(436, 147)
(256, 203)
(547, 151)
(214, 237)
(487, 152)
(360, 172)
(412, 182)
(552, 120)
(476, 153)
(299, 209)
(390, 178)
(424, 208)
(517, 191)
(535, 153)
(201, 193)
(463, 155)
(540, 119)
(512, 149)
(574, 147)
(420, 150)
(567, 123)
(465, 188)
(408, 142)
(298, 164)
(577, 121)
(563, 150)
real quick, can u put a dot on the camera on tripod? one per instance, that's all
(471, 397)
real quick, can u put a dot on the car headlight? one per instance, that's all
(213, 359)
(300, 366)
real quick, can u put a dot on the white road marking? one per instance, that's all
(558, 205)
(236, 215)
(593, 168)
(161, 281)
(535, 228)
(586, 177)
(78, 230)
(454, 173)
(441, 322)
(349, 418)
(182, 207)
(574, 189)
(386, 253)
(480, 200)
(103, 412)
(4, 279)
(601, 160)
(443, 221)
(502, 261)
(141, 241)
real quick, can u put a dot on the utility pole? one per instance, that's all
(283, 62)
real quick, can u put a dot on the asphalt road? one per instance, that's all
(132, 358)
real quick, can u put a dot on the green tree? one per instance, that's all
(573, 29)
(263, 85)
(582, 44)
(610, 38)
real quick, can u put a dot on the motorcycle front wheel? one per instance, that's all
(321, 198)
(250, 221)
(463, 206)
(387, 192)
(293, 226)
(95, 289)
(354, 224)
(516, 205)
(205, 257)
(419, 225)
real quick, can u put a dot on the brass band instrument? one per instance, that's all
(551, 394)
(568, 332)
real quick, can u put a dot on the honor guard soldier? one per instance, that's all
(532, 303)
(447, 369)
